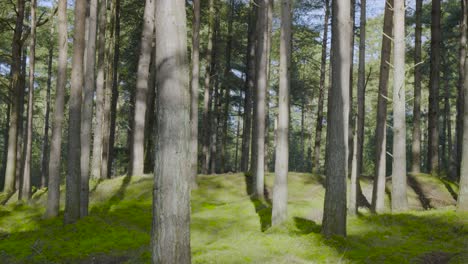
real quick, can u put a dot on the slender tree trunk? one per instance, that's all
(378, 191)
(267, 94)
(433, 152)
(351, 123)
(236, 159)
(45, 139)
(460, 94)
(150, 116)
(15, 93)
(262, 79)
(115, 89)
(323, 66)
(87, 111)
(195, 84)
(214, 126)
(171, 196)
(26, 188)
(447, 126)
(21, 147)
(53, 190)
(207, 88)
(248, 87)
(72, 201)
(416, 143)
(98, 130)
(334, 216)
(142, 89)
(361, 112)
(280, 189)
(5, 146)
(399, 198)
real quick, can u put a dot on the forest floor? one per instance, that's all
(228, 227)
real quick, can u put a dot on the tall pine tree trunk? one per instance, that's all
(45, 139)
(460, 91)
(416, 143)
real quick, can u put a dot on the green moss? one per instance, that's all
(229, 227)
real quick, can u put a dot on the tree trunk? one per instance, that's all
(399, 198)
(115, 89)
(460, 93)
(248, 87)
(378, 191)
(351, 123)
(323, 66)
(334, 216)
(280, 189)
(214, 126)
(15, 92)
(433, 152)
(53, 190)
(72, 201)
(207, 88)
(195, 84)
(26, 188)
(21, 147)
(137, 157)
(45, 139)
(267, 94)
(98, 130)
(416, 143)
(447, 126)
(5, 146)
(87, 111)
(171, 196)
(262, 79)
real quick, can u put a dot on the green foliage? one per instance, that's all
(228, 227)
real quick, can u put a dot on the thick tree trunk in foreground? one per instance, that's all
(87, 111)
(280, 189)
(15, 92)
(416, 143)
(171, 196)
(334, 216)
(460, 91)
(399, 198)
(137, 157)
(378, 191)
(53, 192)
(433, 151)
(323, 66)
(98, 132)
(72, 201)
(194, 86)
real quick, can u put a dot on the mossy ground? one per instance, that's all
(228, 227)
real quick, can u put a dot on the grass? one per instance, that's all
(228, 227)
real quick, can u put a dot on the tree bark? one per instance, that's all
(15, 92)
(171, 195)
(378, 191)
(137, 157)
(280, 189)
(399, 198)
(433, 152)
(323, 66)
(98, 130)
(53, 190)
(334, 216)
(195, 84)
(416, 143)
(72, 201)
(87, 111)
(460, 92)
(45, 139)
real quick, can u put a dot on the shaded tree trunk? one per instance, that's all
(280, 189)
(460, 92)
(171, 196)
(416, 143)
(378, 191)
(53, 190)
(334, 216)
(45, 139)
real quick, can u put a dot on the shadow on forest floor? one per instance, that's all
(263, 207)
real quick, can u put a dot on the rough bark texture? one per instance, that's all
(72, 200)
(249, 89)
(433, 151)
(26, 186)
(53, 190)
(378, 191)
(171, 195)
(334, 215)
(97, 139)
(87, 111)
(399, 198)
(280, 189)
(323, 66)
(15, 93)
(460, 92)
(416, 143)
(195, 84)
(137, 157)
